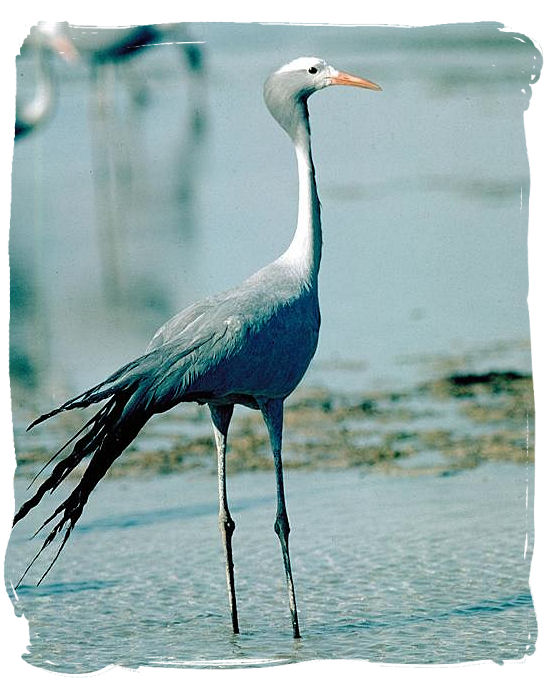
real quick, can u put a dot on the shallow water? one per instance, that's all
(421, 569)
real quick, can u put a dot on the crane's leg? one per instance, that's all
(221, 417)
(272, 411)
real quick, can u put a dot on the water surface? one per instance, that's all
(420, 569)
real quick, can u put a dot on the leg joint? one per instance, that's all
(282, 526)
(226, 524)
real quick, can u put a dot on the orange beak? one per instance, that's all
(342, 78)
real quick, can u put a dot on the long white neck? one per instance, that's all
(304, 252)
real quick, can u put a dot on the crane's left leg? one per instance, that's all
(272, 411)
(221, 417)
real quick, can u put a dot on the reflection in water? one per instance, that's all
(117, 136)
(31, 113)
(26, 355)
(124, 84)
(44, 41)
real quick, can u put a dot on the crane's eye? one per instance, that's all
(313, 69)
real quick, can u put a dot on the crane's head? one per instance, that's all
(287, 90)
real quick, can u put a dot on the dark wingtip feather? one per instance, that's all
(95, 418)
(48, 415)
(93, 395)
(111, 430)
(24, 509)
(53, 533)
(39, 420)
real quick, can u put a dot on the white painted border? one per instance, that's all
(528, 17)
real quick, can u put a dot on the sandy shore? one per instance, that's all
(440, 426)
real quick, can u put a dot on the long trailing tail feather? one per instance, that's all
(109, 432)
(99, 423)
(119, 380)
(151, 383)
(131, 374)
(63, 447)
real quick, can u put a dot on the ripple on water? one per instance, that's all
(402, 570)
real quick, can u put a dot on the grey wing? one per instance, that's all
(180, 350)
(249, 341)
(187, 351)
(257, 296)
(186, 323)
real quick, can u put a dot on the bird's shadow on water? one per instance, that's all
(50, 589)
(179, 513)
(133, 520)
(485, 606)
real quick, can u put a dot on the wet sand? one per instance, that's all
(440, 426)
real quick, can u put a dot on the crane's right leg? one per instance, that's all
(221, 418)
(272, 414)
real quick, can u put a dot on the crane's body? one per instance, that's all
(250, 345)
(253, 342)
